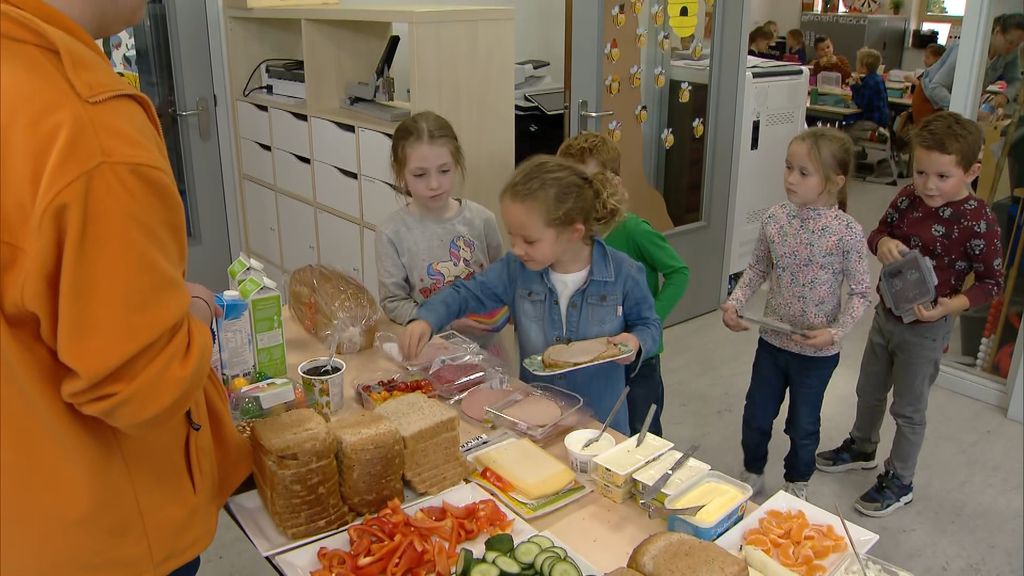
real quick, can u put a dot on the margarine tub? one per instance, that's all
(617, 494)
(648, 475)
(617, 466)
(726, 500)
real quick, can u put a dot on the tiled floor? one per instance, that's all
(968, 514)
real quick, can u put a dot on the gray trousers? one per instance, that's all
(903, 358)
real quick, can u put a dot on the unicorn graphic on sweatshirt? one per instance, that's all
(459, 265)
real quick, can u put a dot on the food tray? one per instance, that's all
(908, 282)
(384, 386)
(454, 375)
(444, 345)
(507, 413)
(535, 363)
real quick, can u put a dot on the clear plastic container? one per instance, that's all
(830, 81)
(873, 566)
(454, 375)
(383, 386)
(536, 411)
(267, 398)
(444, 345)
(908, 282)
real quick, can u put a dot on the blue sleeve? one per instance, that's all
(937, 85)
(490, 289)
(638, 310)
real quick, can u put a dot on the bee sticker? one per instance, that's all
(665, 41)
(658, 12)
(612, 52)
(683, 17)
(634, 76)
(667, 138)
(641, 37)
(615, 130)
(697, 49)
(698, 128)
(659, 76)
(684, 92)
(619, 15)
(612, 84)
(641, 114)
(637, 5)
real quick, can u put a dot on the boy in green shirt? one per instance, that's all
(635, 236)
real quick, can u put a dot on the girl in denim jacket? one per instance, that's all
(561, 282)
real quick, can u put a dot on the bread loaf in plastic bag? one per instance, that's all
(325, 299)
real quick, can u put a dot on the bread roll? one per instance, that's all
(676, 554)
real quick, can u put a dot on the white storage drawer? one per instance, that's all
(337, 188)
(294, 173)
(253, 121)
(334, 144)
(290, 131)
(257, 160)
(379, 200)
(339, 242)
(261, 221)
(298, 233)
(370, 263)
(375, 155)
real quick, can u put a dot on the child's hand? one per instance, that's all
(414, 338)
(468, 326)
(629, 340)
(890, 250)
(731, 318)
(943, 307)
(820, 338)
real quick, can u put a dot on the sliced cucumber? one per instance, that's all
(500, 543)
(544, 541)
(541, 557)
(560, 551)
(545, 567)
(526, 552)
(508, 566)
(485, 569)
(490, 555)
(565, 568)
(465, 562)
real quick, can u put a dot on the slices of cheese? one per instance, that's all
(535, 473)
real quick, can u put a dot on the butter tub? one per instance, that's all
(648, 475)
(728, 498)
(617, 494)
(617, 466)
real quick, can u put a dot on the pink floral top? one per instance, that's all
(806, 254)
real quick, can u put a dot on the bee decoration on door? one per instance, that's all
(659, 77)
(612, 52)
(641, 114)
(634, 75)
(658, 12)
(697, 50)
(665, 41)
(637, 5)
(615, 130)
(684, 92)
(683, 17)
(667, 138)
(641, 37)
(698, 128)
(612, 84)
(619, 15)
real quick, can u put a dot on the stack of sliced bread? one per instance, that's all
(297, 475)
(677, 554)
(370, 461)
(430, 438)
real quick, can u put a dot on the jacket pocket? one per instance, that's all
(194, 460)
(530, 304)
(602, 314)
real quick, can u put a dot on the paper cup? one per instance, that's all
(579, 460)
(328, 390)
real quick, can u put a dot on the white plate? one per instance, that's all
(535, 363)
(864, 539)
(252, 517)
(586, 568)
(301, 561)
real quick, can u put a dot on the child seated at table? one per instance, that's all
(904, 123)
(758, 41)
(828, 61)
(796, 48)
(868, 87)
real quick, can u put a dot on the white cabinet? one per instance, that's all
(261, 221)
(339, 244)
(375, 155)
(290, 131)
(293, 173)
(379, 200)
(298, 233)
(253, 121)
(257, 160)
(334, 144)
(337, 188)
(370, 263)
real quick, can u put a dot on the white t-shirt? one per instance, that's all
(566, 285)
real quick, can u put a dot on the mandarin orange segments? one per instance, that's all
(790, 538)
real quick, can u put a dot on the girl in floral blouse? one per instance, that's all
(806, 250)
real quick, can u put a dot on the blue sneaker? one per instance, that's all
(887, 495)
(845, 457)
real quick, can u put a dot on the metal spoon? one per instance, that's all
(849, 537)
(608, 420)
(333, 343)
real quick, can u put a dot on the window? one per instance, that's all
(945, 7)
(943, 16)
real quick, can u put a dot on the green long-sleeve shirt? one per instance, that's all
(643, 243)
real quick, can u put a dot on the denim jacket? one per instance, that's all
(614, 299)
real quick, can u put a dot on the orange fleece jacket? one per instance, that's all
(103, 370)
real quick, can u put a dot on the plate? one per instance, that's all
(252, 517)
(535, 363)
(863, 539)
(585, 567)
(301, 561)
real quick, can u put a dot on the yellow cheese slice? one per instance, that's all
(528, 467)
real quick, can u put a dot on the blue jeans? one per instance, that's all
(645, 388)
(806, 377)
(189, 569)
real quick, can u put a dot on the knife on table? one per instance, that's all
(655, 488)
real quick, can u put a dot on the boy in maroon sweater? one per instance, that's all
(940, 217)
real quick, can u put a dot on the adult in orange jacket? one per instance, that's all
(116, 445)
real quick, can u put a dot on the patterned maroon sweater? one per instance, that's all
(960, 237)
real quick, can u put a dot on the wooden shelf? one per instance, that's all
(288, 105)
(391, 14)
(353, 118)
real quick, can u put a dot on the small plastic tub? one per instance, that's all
(579, 460)
(684, 477)
(705, 526)
(617, 466)
(872, 565)
(617, 494)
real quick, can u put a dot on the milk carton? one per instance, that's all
(234, 337)
(243, 268)
(266, 316)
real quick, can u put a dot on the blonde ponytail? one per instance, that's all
(609, 201)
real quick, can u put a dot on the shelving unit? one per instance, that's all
(316, 178)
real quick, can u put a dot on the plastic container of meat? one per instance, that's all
(536, 411)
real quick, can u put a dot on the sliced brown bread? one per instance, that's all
(576, 353)
(677, 554)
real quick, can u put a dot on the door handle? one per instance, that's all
(202, 113)
(586, 114)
